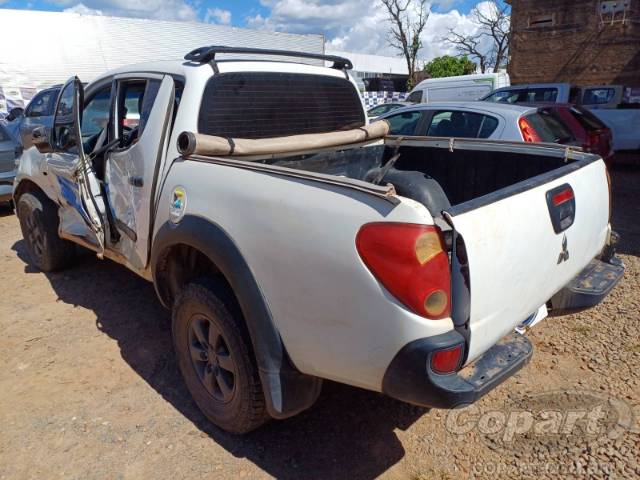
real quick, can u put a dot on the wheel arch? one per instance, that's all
(26, 185)
(198, 247)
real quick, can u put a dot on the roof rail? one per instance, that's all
(208, 54)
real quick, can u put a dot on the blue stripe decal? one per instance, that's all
(69, 191)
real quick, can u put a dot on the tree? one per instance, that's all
(448, 66)
(490, 43)
(408, 19)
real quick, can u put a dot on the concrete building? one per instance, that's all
(585, 42)
(40, 49)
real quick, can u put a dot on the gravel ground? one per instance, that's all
(89, 389)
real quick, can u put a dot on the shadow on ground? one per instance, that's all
(625, 180)
(6, 209)
(349, 433)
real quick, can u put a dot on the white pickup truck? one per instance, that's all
(605, 101)
(294, 242)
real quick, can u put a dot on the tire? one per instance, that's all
(39, 224)
(224, 380)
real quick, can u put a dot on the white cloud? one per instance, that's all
(82, 9)
(351, 25)
(359, 25)
(217, 15)
(156, 9)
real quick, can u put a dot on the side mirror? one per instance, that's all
(14, 113)
(41, 139)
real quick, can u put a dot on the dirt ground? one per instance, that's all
(89, 389)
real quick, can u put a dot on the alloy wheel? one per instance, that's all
(212, 359)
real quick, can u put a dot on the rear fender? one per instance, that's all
(287, 390)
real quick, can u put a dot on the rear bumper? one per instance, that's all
(409, 377)
(589, 287)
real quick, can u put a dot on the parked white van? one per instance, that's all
(460, 88)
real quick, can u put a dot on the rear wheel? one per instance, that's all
(39, 224)
(215, 357)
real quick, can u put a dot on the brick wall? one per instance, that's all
(565, 41)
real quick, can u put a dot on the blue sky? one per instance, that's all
(240, 9)
(353, 25)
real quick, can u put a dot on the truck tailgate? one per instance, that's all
(517, 258)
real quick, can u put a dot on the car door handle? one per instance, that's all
(136, 181)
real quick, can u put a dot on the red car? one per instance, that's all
(588, 131)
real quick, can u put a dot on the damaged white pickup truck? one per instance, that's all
(294, 242)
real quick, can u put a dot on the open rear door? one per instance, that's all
(81, 204)
(519, 246)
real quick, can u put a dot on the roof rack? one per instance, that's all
(208, 54)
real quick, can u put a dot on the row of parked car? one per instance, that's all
(496, 119)
(509, 113)
(15, 134)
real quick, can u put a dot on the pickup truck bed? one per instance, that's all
(463, 173)
(513, 215)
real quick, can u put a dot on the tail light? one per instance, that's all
(447, 360)
(562, 196)
(528, 132)
(411, 262)
(593, 141)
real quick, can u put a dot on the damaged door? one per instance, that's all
(81, 204)
(142, 117)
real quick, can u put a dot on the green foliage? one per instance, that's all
(447, 66)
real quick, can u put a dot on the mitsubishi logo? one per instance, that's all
(564, 254)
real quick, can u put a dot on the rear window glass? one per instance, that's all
(462, 124)
(598, 96)
(529, 95)
(271, 104)
(505, 96)
(540, 95)
(549, 127)
(587, 120)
